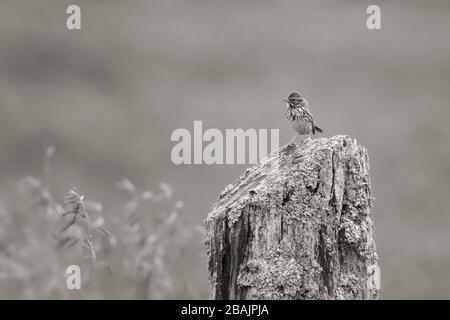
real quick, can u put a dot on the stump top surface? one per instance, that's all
(278, 170)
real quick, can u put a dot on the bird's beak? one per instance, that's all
(285, 100)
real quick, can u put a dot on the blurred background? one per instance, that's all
(108, 97)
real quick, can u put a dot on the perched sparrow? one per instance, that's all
(299, 116)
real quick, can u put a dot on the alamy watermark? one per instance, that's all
(234, 146)
(73, 280)
(73, 21)
(373, 21)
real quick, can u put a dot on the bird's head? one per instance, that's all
(295, 100)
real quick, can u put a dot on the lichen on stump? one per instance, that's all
(303, 230)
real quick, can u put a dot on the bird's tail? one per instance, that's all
(318, 129)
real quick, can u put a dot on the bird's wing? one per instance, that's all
(309, 116)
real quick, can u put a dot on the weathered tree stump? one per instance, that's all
(303, 230)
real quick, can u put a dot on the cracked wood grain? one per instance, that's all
(302, 231)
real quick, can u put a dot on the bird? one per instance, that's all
(299, 116)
